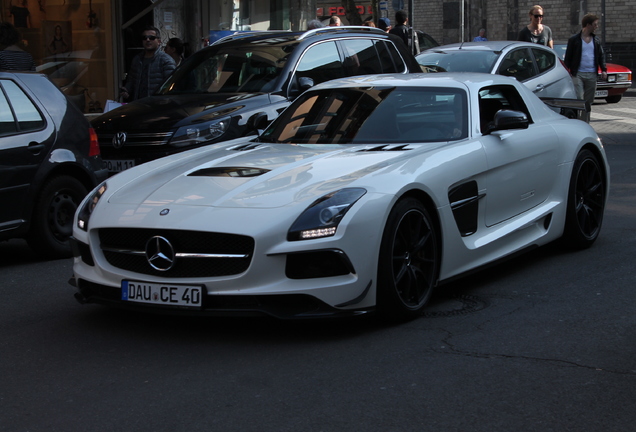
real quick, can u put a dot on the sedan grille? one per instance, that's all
(195, 254)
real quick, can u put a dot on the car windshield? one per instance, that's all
(250, 68)
(372, 115)
(460, 60)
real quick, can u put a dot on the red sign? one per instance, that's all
(339, 10)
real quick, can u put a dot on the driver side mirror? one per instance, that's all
(299, 85)
(508, 119)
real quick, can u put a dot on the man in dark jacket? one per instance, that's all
(583, 57)
(149, 69)
(404, 32)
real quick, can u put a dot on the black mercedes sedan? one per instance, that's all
(238, 85)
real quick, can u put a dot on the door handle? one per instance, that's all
(35, 147)
(539, 87)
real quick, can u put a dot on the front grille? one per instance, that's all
(125, 248)
(136, 139)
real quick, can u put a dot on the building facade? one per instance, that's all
(86, 46)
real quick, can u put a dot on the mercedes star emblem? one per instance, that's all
(119, 139)
(160, 253)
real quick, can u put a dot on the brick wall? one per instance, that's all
(500, 19)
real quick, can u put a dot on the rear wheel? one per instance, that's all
(408, 263)
(613, 98)
(586, 202)
(52, 223)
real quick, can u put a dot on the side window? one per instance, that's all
(386, 60)
(397, 59)
(28, 116)
(7, 122)
(519, 64)
(493, 99)
(544, 58)
(360, 57)
(321, 63)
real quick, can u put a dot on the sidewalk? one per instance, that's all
(616, 123)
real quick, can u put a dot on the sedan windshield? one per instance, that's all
(234, 69)
(460, 60)
(372, 115)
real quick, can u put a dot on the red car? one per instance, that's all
(619, 78)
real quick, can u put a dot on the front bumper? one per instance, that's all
(285, 306)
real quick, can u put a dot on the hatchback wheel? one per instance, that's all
(52, 222)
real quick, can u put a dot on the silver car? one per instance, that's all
(536, 66)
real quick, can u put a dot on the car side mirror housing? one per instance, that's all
(299, 85)
(509, 119)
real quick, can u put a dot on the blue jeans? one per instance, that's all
(585, 85)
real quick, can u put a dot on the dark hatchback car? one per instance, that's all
(50, 159)
(238, 85)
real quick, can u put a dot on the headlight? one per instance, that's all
(611, 78)
(624, 77)
(322, 217)
(200, 133)
(85, 212)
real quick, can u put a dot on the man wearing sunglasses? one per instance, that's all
(149, 69)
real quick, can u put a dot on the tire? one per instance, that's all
(52, 222)
(614, 98)
(409, 262)
(586, 202)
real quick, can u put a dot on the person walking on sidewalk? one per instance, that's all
(584, 57)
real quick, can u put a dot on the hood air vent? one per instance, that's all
(229, 172)
(386, 147)
(245, 147)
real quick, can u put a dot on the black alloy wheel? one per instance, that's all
(409, 262)
(586, 202)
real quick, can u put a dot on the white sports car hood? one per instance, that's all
(255, 175)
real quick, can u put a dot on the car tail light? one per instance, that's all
(93, 150)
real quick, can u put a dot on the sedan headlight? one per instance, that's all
(611, 78)
(85, 212)
(200, 133)
(624, 77)
(322, 217)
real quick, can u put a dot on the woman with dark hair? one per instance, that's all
(12, 57)
(175, 48)
(58, 45)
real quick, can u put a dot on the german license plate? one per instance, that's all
(601, 93)
(115, 166)
(162, 294)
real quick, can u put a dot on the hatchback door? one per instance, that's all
(25, 140)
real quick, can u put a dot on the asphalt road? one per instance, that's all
(544, 342)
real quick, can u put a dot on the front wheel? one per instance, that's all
(613, 98)
(52, 222)
(586, 202)
(409, 262)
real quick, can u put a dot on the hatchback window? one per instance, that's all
(27, 115)
(459, 60)
(7, 122)
(545, 59)
(518, 64)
